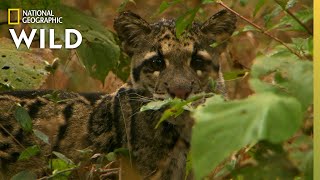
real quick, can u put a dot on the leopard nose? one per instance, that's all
(181, 93)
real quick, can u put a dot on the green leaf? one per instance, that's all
(99, 51)
(20, 69)
(24, 175)
(164, 6)
(175, 107)
(111, 156)
(174, 111)
(225, 127)
(293, 77)
(29, 152)
(155, 105)
(236, 74)
(188, 165)
(23, 118)
(43, 137)
(59, 165)
(99, 57)
(63, 157)
(288, 23)
(259, 4)
(185, 20)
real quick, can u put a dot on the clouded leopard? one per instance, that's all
(162, 66)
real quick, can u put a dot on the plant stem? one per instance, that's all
(59, 172)
(14, 139)
(260, 29)
(295, 18)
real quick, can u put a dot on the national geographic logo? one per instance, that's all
(17, 15)
(35, 16)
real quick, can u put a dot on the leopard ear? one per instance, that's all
(132, 30)
(219, 27)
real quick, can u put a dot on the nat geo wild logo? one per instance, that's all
(40, 17)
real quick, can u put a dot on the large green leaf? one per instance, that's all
(224, 127)
(20, 69)
(99, 51)
(291, 76)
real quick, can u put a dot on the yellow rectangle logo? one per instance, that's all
(14, 10)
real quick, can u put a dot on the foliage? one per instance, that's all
(173, 107)
(29, 152)
(41, 136)
(263, 129)
(291, 77)
(24, 175)
(164, 6)
(283, 85)
(185, 20)
(23, 118)
(99, 52)
(20, 69)
(225, 127)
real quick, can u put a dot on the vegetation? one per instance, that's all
(266, 135)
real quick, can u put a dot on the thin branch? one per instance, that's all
(261, 29)
(14, 139)
(295, 18)
(127, 135)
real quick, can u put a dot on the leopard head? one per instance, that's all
(167, 66)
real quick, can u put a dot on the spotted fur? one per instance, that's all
(162, 66)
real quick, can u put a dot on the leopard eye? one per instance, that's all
(157, 63)
(197, 63)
